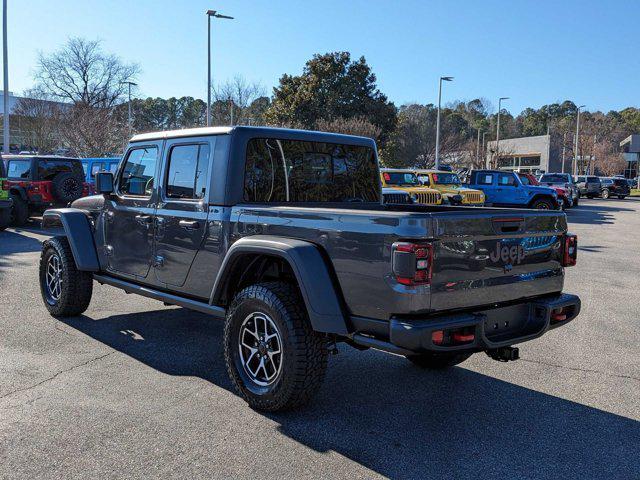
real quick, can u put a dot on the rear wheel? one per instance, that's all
(605, 193)
(621, 197)
(66, 291)
(438, 361)
(19, 211)
(274, 358)
(542, 204)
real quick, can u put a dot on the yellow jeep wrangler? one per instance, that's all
(449, 185)
(407, 181)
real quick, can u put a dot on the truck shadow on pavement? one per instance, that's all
(594, 213)
(12, 243)
(397, 420)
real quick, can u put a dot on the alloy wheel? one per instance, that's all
(260, 347)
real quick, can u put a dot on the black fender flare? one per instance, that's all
(79, 234)
(319, 293)
(20, 191)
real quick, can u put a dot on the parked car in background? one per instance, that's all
(395, 196)
(505, 189)
(615, 187)
(588, 185)
(564, 180)
(563, 194)
(37, 182)
(5, 200)
(408, 182)
(297, 259)
(91, 166)
(449, 185)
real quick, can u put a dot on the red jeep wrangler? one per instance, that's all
(37, 182)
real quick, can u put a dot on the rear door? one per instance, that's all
(486, 181)
(181, 217)
(510, 190)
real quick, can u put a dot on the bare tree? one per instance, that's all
(80, 72)
(351, 126)
(39, 120)
(93, 132)
(232, 99)
(608, 161)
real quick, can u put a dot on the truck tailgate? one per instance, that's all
(498, 256)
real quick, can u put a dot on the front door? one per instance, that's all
(130, 213)
(181, 221)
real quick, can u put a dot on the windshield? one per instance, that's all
(400, 178)
(553, 179)
(446, 179)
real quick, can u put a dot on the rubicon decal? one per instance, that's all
(514, 254)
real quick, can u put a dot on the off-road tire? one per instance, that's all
(19, 211)
(76, 287)
(542, 204)
(304, 357)
(438, 361)
(605, 193)
(5, 218)
(67, 187)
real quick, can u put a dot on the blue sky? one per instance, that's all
(536, 52)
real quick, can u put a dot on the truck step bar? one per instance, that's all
(167, 298)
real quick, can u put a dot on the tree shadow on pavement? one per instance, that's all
(594, 213)
(397, 420)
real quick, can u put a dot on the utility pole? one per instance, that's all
(129, 116)
(210, 13)
(5, 62)
(498, 131)
(446, 79)
(484, 152)
(564, 141)
(478, 147)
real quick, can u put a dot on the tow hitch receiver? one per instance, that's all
(504, 354)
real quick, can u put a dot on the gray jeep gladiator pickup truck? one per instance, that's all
(284, 235)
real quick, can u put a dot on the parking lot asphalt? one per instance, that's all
(133, 389)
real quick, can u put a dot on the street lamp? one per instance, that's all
(446, 79)
(129, 85)
(484, 153)
(574, 169)
(498, 129)
(215, 14)
(5, 60)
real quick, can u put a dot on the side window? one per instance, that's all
(506, 180)
(485, 179)
(95, 168)
(525, 181)
(187, 172)
(138, 174)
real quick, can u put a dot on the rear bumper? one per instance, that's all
(492, 328)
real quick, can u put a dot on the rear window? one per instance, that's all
(47, 169)
(19, 168)
(298, 171)
(401, 179)
(621, 182)
(554, 179)
(593, 180)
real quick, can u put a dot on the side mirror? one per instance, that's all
(104, 182)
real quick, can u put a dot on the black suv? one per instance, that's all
(37, 182)
(615, 187)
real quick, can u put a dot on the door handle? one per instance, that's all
(143, 220)
(189, 225)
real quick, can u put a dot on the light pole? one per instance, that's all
(210, 13)
(484, 154)
(129, 85)
(5, 62)
(498, 129)
(574, 169)
(446, 79)
(478, 147)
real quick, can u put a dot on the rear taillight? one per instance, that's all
(570, 250)
(412, 263)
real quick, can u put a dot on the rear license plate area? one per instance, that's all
(506, 323)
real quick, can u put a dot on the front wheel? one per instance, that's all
(66, 291)
(438, 361)
(542, 204)
(605, 193)
(274, 358)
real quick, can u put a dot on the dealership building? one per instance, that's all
(630, 148)
(542, 153)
